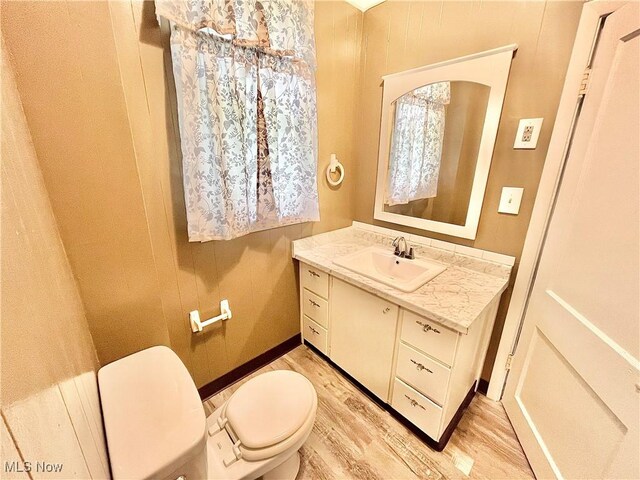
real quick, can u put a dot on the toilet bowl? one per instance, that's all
(156, 426)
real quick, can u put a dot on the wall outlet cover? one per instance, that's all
(510, 200)
(528, 133)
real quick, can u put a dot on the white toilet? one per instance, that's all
(156, 426)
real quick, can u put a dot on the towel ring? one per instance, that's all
(334, 166)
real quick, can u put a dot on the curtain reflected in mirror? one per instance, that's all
(435, 141)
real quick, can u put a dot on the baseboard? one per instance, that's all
(248, 368)
(483, 386)
(438, 446)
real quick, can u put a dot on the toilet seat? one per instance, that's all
(269, 413)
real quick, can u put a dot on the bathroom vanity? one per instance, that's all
(419, 353)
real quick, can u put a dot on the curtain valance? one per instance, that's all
(277, 27)
(434, 93)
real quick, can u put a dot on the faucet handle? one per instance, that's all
(396, 244)
(410, 255)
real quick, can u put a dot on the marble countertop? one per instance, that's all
(455, 298)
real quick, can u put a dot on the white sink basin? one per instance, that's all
(384, 267)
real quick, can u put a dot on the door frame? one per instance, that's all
(588, 27)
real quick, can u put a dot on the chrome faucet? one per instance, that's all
(405, 252)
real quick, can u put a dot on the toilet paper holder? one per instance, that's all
(198, 325)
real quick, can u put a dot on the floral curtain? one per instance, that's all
(416, 144)
(244, 73)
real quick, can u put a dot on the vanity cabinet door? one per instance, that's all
(423, 373)
(363, 334)
(314, 280)
(417, 408)
(430, 337)
(315, 308)
(314, 334)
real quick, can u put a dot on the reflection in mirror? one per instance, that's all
(435, 141)
(437, 132)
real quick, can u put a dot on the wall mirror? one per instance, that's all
(438, 130)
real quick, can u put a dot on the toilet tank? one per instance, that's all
(154, 420)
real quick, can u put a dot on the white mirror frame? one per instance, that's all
(489, 68)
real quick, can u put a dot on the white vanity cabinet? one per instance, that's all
(425, 372)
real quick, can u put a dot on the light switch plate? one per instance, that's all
(528, 133)
(510, 200)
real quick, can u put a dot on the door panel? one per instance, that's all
(363, 336)
(573, 392)
(572, 419)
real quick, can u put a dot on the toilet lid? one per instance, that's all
(270, 408)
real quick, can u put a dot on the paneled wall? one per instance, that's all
(401, 35)
(99, 99)
(69, 82)
(50, 406)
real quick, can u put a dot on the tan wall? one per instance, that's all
(50, 407)
(403, 35)
(474, 105)
(70, 88)
(99, 99)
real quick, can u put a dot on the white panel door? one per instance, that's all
(573, 394)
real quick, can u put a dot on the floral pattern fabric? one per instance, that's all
(266, 205)
(278, 27)
(194, 15)
(288, 91)
(416, 144)
(247, 113)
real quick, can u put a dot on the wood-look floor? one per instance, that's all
(353, 438)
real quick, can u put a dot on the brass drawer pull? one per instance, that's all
(313, 274)
(420, 366)
(313, 330)
(317, 305)
(426, 328)
(413, 402)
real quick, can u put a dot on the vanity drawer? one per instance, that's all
(416, 408)
(429, 336)
(315, 307)
(314, 280)
(315, 334)
(424, 374)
